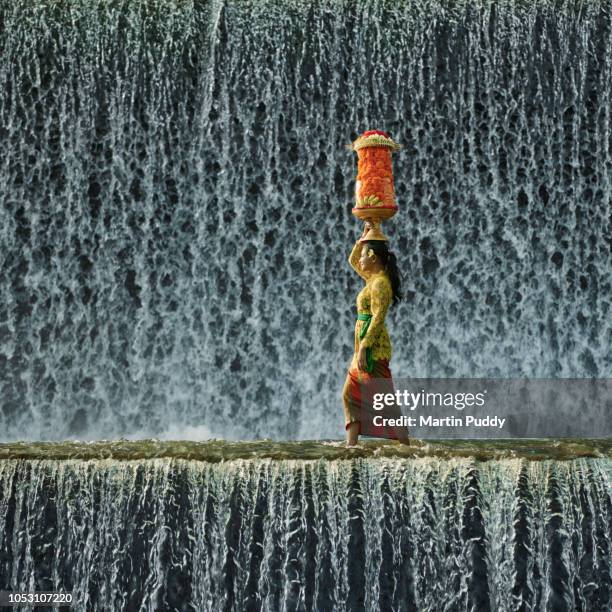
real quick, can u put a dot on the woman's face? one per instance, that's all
(365, 262)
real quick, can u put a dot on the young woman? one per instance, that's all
(373, 261)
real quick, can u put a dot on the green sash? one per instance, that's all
(364, 330)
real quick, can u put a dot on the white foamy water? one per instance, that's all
(176, 197)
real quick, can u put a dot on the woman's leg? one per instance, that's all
(351, 416)
(352, 433)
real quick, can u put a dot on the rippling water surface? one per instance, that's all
(222, 450)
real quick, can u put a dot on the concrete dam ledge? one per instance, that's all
(216, 451)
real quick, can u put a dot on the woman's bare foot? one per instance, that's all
(352, 433)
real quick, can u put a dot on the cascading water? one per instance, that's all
(176, 198)
(370, 534)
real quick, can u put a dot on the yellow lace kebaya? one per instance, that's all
(373, 300)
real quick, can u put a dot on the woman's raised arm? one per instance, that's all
(354, 259)
(356, 253)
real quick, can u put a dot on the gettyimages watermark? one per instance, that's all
(487, 408)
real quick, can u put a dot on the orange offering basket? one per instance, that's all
(374, 191)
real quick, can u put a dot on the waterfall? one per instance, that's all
(175, 220)
(365, 534)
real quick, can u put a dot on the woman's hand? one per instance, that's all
(366, 228)
(362, 362)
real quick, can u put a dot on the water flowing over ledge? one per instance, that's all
(214, 451)
(388, 533)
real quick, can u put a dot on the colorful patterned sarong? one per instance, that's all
(358, 397)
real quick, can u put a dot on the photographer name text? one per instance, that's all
(430, 421)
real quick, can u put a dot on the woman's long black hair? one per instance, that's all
(381, 250)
